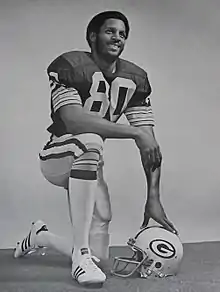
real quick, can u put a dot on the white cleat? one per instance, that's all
(86, 272)
(29, 243)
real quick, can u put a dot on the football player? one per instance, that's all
(89, 93)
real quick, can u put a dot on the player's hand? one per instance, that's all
(150, 151)
(155, 210)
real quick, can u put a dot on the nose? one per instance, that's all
(116, 36)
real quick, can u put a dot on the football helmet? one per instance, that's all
(156, 252)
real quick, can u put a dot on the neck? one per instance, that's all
(104, 64)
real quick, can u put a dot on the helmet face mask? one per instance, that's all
(156, 252)
(127, 267)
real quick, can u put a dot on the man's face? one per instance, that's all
(111, 38)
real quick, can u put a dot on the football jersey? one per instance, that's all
(75, 79)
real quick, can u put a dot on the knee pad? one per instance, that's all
(91, 141)
(85, 167)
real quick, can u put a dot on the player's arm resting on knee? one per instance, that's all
(140, 115)
(67, 104)
(78, 121)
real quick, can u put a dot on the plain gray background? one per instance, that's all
(178, 43)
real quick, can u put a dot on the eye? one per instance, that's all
(108, 31)
(122, 34)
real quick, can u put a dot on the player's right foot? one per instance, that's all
(86, 272)
(29, 243)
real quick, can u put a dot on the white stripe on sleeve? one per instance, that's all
(140, 116)
(61, 96)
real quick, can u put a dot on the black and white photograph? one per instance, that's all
(110, 116)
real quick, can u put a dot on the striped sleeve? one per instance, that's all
(141, 115)
(61, 94)
(139, 110)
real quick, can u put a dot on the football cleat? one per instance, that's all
(29, 243)
(86, 272)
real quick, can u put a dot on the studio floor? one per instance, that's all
(200, 272)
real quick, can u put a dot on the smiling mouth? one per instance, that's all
(114, 46)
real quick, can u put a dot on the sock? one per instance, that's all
(99, 245)
(99, 231)
(98, 234)
(81, 193)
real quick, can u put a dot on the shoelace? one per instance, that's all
(88, 263)
(95, 258)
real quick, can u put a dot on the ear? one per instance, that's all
(92, 37)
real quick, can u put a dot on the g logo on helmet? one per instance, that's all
(162, 248)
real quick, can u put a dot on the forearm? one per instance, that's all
(82, 122)
(152, 177)
(153, 182)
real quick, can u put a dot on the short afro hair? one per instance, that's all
(98, 20)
